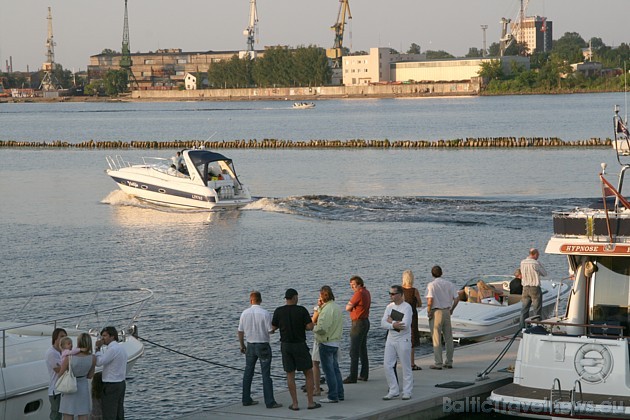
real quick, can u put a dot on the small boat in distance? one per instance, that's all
(303, 105)
(26, 335)
(576, 365)
(478, 319)
(203, 180)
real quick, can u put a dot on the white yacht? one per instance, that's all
(23, 373)
(202, 180)
(577, 365)
(482, 319)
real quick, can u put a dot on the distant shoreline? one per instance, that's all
(467, 143)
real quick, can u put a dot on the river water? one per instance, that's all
(321, 215)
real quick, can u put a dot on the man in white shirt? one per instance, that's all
(397, 320)
(531, 271)
(114, 363)
(53, 363)
(442, 298)
(255, 324)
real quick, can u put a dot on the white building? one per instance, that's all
(190, 81)
(374, 67)
(449, 70)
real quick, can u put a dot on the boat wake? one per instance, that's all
(461, 211)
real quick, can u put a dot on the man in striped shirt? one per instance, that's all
(531, 271)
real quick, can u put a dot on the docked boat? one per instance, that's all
(200, 180)
(477, 319)
(577, 365)
(23, 373)
(303, 105)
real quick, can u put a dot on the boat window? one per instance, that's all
(610, 292)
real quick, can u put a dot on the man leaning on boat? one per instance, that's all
(531, 271)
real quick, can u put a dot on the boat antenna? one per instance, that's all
(212, 135)
(625, 88)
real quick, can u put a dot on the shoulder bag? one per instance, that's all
(67, 383)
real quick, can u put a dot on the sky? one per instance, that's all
(82, 28)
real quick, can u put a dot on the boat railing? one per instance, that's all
(617, 330)
(100, 308)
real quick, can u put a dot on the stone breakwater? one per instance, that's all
(483, 142)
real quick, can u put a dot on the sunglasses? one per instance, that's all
(393, 294)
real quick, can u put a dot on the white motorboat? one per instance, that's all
(477, 320)
(203, 180)
(577, 365)
(23, 373)
(303, 105)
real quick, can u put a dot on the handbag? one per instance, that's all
(67, 383)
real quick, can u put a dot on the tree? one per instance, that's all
(569, 47)
(474, 52)
(107, 51)
(494, 50)
(115, 82)
(437, 55)
(491, 70)
(414, 49)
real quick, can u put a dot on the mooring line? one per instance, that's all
(202, 359)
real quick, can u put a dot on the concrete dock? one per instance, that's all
(364, 400)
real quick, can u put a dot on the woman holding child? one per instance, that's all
(83, 363)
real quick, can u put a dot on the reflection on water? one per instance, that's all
(131, 212)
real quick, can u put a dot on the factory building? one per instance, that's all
(162, 69)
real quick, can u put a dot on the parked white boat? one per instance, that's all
(477, 321)
(206, 180)
(23, 373)
(303, 105)
(577, 365)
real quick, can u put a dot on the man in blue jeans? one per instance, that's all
(328, 332)
(255, 324)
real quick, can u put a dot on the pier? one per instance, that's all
(436, 393)
(465, 143)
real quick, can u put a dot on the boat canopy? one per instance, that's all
(201, 157)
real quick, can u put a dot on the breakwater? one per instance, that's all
(485, 142)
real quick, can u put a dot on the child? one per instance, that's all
(97, 392)
(66, 348)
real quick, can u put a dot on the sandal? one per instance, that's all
(314, 406)
(414, 367)
(294, 408)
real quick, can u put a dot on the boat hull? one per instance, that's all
(473, 322)
(145, 185)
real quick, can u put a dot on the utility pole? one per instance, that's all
(483, 51)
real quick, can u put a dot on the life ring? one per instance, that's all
(593, 362)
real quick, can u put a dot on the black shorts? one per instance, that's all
(295, 356)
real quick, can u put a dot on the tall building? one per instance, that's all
(536, 33)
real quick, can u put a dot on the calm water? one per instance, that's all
(321, 216)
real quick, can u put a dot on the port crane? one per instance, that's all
(125, 52)
(252, 29)
(336, 52)
(515, 33)
(49, 81)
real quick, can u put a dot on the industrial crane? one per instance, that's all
(49, 82)
(507, 38)
(125, 52)
(252, 29)
(336, 52)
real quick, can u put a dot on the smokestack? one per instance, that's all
(11, 64)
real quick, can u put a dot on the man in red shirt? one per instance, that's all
(359, 308)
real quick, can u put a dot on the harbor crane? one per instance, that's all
(49, 81)
(125, 53)
(515, 33)
(252, 29)
(336, 52)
